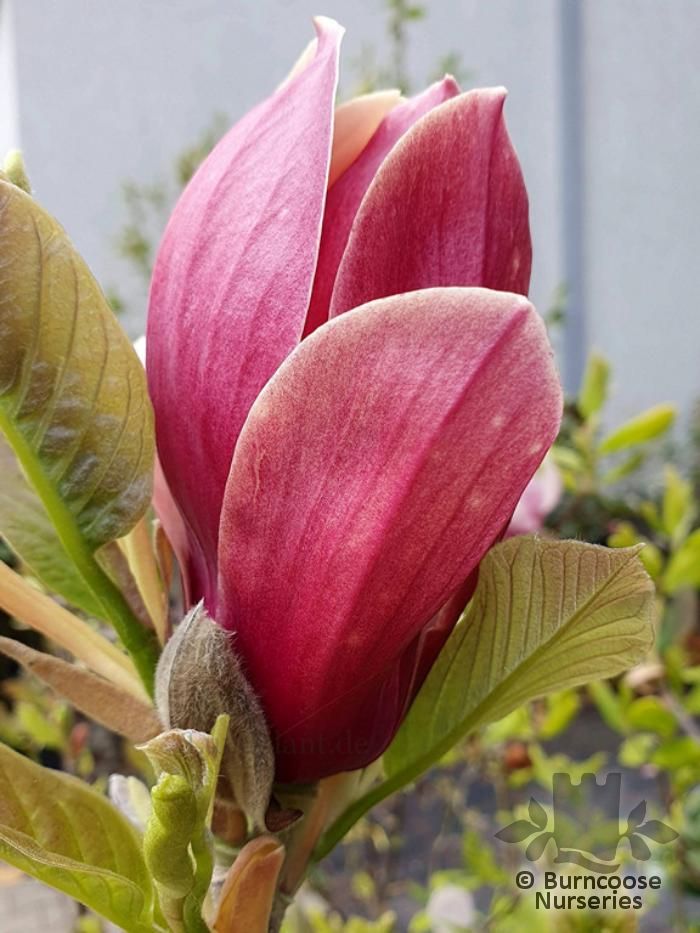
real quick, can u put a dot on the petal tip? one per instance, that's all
(326, 26)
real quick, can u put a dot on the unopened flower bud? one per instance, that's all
(199, 676)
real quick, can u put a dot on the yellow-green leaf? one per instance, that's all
(683, 568)
(651, 424)
(594, 387)
(62, 832)
(73, 401)
(677, 506)
(546, 615)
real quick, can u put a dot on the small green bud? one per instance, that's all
(168, 833)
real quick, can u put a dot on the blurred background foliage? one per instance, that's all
(428, 859)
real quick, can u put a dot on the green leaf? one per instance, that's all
(683, 568)
(561, 709)
(545, 615)
(73, 401)
(624, 469)
(676, 753)
(645, 427)
(648, 714)
(594, 387)
(636, 750)
(568, 459)
(678, 505)
(626, 535)
(62, 832)
(27, 529)
(610, 706)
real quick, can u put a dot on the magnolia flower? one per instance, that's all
(541, 496)
(351, 392)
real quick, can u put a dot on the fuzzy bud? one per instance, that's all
(199, 677)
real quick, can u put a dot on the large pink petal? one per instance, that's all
(374, 470)
(447, 207)
(232, 282)
(345, 196)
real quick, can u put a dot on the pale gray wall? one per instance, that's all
(9, 115)
(642, 195)
(114, 89)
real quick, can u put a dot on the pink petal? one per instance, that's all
(540, 497)
(345, 196)
(232, 281)
(355, 123)
(374, 470)
(447, 207)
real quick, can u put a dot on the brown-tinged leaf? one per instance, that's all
(248, 893)
(94, 696)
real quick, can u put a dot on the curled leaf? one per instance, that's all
(178, 844)
(139, 550)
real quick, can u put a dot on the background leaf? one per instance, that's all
(545, 615)
(683, 568)
(650, 424)
(62, 832)
(594, 388)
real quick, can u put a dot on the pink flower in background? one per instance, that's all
(541, 496)
(351, 392)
